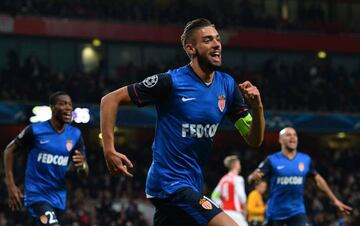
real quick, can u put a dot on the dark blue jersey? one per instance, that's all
(188, 115)
(48, 157)
(287, 179)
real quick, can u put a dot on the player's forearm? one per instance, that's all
(322, 185)
(255, 136)
(108, 111)
(8, 164)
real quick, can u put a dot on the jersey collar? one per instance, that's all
(193, 73)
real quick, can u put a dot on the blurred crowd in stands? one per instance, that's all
(299, 86)
(101, 200)
(233, 14)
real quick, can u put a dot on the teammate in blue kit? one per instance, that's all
(191, 101)
(50, 147)
(287, 171)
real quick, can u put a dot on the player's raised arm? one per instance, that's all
(255, 134)
(250, 126)
(117, 163)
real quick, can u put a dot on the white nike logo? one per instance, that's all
(44, 141)
(280, 167)
(184, 99)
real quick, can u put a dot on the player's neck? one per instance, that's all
(205, 75)
(58, 126)
(234, 172)
(289, 154)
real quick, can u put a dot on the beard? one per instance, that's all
(290, 149)
(205, 63)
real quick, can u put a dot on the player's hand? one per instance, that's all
(78, 159)
(251, 94)
(255, 176)
(118, 163)
(344, 209)
(15, 197)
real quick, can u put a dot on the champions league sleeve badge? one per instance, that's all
(221, 102)
(150, 81)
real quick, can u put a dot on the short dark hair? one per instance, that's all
(193, 25)
(53, 97)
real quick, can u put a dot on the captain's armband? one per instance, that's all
(243, 124)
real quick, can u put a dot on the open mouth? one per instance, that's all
(67, 116)
(292, 142)
(216, 56)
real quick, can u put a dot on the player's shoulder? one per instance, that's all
(254, 193)
(39, 124)
(239, 178)
(38, 127)
(73, 129)
(225, 75)
(303, 155)
(275, 155)
(175, 72)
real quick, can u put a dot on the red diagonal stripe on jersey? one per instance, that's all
(137, 95)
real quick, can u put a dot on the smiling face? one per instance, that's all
(288, 139)
(62, 109)
(205, 47)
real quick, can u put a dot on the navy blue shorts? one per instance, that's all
(184, 207)
(44, 214)
(297, 220)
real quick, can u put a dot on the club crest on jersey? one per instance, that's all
(301, 166)
(221, 102)
(205, 204)
(69, 145)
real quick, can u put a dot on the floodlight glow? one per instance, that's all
(96, 42)
(81, 115)
(41, 114)
(322, 54)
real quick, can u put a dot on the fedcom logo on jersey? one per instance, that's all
(289, 180)
(199, 130)
(59, 160)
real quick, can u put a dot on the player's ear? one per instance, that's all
(280, 139)
(189, 49)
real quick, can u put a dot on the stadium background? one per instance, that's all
(303, 55)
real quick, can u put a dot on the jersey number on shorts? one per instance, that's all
(51, 216)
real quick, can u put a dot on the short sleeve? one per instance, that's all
(25, 139)
(312, 171)
(80, 146)
(151, 90)
(238, 108)
(265, 167)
